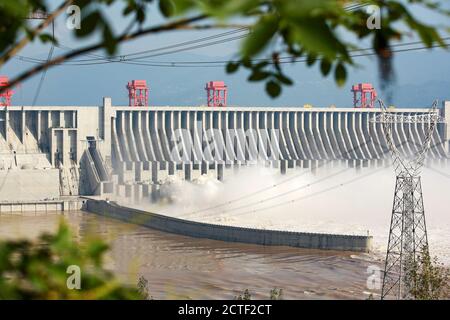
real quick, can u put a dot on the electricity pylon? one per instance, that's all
(408, 232)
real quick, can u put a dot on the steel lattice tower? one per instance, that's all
(408, 232)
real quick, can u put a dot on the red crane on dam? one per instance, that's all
(137, 93)
(5, 96)
(364, 95)
(216, 94)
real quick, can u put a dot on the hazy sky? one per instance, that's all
(421, 76)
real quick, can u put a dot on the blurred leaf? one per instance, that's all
(340, 74)
(232, 67)
(183, 6)
(109, 40)
(89, 24)
(311, 59)
(45, 37)
(95, 250)
(223, 9)
(261, 65)
(260, 36)
(167, 7)
(140, 14)
(325, 67)
(258, 75)
(283, 79)
(273, 89)
(316, 36)
(247, 62)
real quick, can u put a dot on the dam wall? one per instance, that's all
(129, 152)
(230, 233)
(205, 137)
(29, 185)
(149, 145)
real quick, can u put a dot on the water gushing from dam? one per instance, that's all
(334, 200)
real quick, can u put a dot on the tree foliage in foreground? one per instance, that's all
(428, 279)
(280, 30)
(38, 270)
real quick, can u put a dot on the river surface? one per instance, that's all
(179, 267)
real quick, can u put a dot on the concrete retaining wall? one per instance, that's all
(229, 233)
(29, 184)
(40, 206)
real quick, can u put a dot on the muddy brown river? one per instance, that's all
(179, 267)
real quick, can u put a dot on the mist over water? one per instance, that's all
(331, 200)
(336, 200)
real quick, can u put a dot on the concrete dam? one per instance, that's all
(52, 151)
(52, 155)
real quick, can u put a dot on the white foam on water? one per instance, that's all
(333, 200)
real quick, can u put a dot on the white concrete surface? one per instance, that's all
(29, 184)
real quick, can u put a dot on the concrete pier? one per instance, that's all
(230, 233)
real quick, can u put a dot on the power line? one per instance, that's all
(322, 191)
(293, 190)
(355, 7)
(239, 30)
(288, 57)
(285, 193)
(195, 41)
(136, 61)
(123, 58)
(446, 175)
(192, 47)
(215, 64)
(350, 181)
(49, 57)
(41, 81)
(227, 203)
(312, 194)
